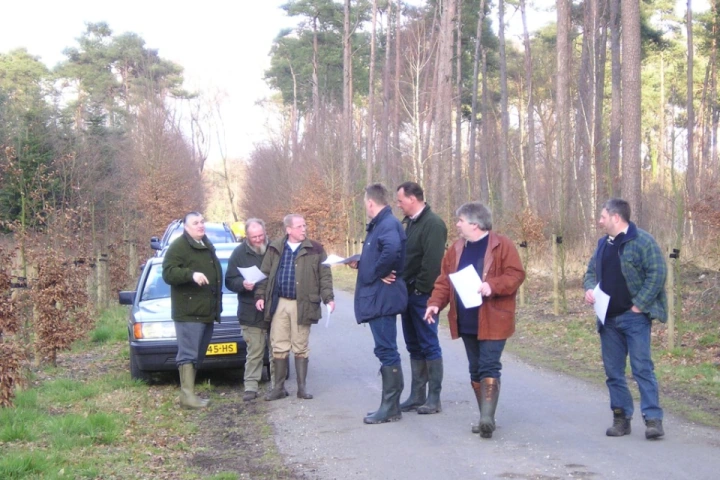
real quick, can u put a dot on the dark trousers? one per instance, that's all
(421, 338)
(483, 357)
(193, 339)
(384, 331)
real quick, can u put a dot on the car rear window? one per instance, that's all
(215, 234)
(155, 287)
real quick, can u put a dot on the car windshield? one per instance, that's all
(215, 234)
(155, 287)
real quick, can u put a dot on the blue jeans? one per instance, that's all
(629, 333)
(421, 338)
(384, 331)
(483, 357)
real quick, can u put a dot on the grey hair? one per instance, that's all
(251, 221)
(288, 220)
(476, 213)
(618, 206)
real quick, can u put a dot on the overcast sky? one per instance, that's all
(223, 45)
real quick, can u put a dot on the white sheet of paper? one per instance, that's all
(327, 318)
(467, 283)
(333, 259)
(252, 274)
(602, 300)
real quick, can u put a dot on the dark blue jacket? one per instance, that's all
(383, 252)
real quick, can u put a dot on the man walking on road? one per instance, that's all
(426, 237)
(297, 282)
(380, 296)
(628, 265)
(249, 253)
(194, 273)
(484, 329)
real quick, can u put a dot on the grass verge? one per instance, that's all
(86, 418)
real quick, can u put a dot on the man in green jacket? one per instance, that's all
(250, 253)
(426, 236)
(290, 297)
(628, 265)
(194, 273)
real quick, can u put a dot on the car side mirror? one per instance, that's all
(126, 298)
(155, 243)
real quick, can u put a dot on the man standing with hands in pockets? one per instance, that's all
(380, 296)
(629, 267)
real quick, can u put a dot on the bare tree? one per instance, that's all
(475, 181)
(347, 98)
(613, 171)
(691, 175)
(504, 115)
(530, 158)
(631, 119)
(371, 101)
(562, 169)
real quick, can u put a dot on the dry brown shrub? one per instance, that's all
(11, 355)
(527, 227)
(321, 207)
(63, 312)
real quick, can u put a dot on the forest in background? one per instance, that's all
(103, 150)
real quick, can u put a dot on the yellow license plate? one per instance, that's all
(222, 348)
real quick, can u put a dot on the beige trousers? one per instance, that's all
(286, 334)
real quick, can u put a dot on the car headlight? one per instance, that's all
(154, 330)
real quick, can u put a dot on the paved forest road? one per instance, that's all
(549, 426)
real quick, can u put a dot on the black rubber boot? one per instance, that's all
(621, 424)
(418, 387)
(301, 367)
(392, 387)
(653, 428)
(281, 371)
(489, 395)
(478, 398)
(435, 378)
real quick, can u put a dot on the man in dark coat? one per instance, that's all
(250, 253)
(381, 294)
(290, 297)
(194, 273)
(426, 236)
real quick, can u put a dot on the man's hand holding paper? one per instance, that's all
(468, 286)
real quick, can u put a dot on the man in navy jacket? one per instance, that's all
(381, 294)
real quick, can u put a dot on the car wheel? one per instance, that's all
(135, 372)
